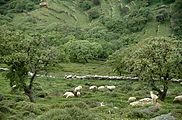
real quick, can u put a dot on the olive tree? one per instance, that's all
(156, 60)
(25, 54)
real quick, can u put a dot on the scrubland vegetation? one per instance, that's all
(42, 41)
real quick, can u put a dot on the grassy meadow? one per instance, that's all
(50, 103)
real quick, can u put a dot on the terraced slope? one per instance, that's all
(67, 12)
(64, 12)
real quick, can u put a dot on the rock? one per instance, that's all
(178, 99)
(151, 109)
(164, 117)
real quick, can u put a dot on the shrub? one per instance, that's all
(162, 15)
(96, 2)
(135, 114)
(93, 13)
(67, 114)
(85, 5)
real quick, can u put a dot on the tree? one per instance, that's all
(25, 54)
(82, 50)
(156, 60)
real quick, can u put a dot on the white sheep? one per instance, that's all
(178, 99)
(111, 88)
(78, 88)
(153, 96)
(78, 94)
(13, 86)
(68, 94)
(131, 99)
(93, 88)
(142, 102)
(102, 104)
(101, 88)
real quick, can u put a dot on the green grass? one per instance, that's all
(116, 108)
(92, 68)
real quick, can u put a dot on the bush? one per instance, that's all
(31, 107)
(135, 114)
(96, 2)
(93, 13)
(162, 15)
(67, 114)
(85, 5)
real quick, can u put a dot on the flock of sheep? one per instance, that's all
(132, 100)
(77, 90)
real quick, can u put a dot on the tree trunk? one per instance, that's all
(29, 93)
(162, 95)
(28, 89)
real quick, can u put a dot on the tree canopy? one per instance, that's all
(25, 54)
(153, 59)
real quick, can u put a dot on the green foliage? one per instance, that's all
(17, 6)
(168, 1)
(162, 15)
(85, 4)
(151, 59)
(68, 114)
(96, 2)
(93, 13)
(176, 19)
(25, 53)
(135, 21)
(82, 50)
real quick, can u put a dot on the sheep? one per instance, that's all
(102, 104)
(178, 99)
(78, 94)
(153, 96)
(101, 88)
(131, 99)
(13, 86)
(111, 88)
(68, 94)
(93, 88)
(78, 88)
(43, 4)
(142, 102)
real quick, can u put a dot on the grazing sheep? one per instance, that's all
(111, 88)
(101, 88)
(13, 86)
(68, 94)
(43, 4)
(178, 99)
(78, 88)
(153, 96)
(131, 99)
(93, 88)
(102, 104)
(78, 94)
(142, 102)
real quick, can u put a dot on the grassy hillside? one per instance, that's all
(80, 27)
(15, 106)
(68, 13)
